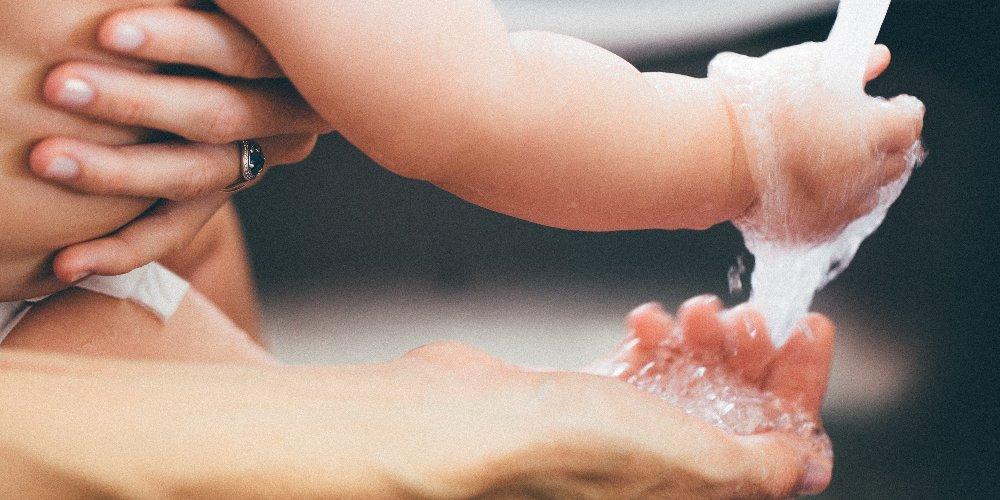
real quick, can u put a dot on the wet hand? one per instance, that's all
(816, 157)
(567, 434)
(721, 367)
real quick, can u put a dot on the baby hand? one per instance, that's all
(817, 156)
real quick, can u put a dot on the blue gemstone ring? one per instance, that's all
(252, 161)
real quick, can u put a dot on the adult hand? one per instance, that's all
(234, 96)
(721, 366)
(575, 435)
(444, 421)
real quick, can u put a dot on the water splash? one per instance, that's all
(695, 377)
(786, 278)
(788, 272)
(710, 392)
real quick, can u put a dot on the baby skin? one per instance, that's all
(721, 367)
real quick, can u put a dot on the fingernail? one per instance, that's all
(61, 168)
(74, 93)
(815, 479)
(126, 38)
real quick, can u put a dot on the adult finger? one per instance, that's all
(777, 465)
(197, 109)
(801, 368)
(748, 349)
(166, 228)
(701, 326)
(178, 35)
(173, 170)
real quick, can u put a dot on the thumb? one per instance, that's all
(897, 123)
(781, 466)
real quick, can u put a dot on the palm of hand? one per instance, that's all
(721, 367)
(571, 434)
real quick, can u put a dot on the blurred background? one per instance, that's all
(357, 264)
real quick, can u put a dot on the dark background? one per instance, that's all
(339, 220)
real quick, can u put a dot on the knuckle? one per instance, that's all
(254, 62)
(302, 150)
(129, 109)
(439, 349)
(452, 355)
(129, 255)
(116, 179)
(197, 182)
(221, 124)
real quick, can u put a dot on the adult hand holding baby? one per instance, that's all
(236, 94)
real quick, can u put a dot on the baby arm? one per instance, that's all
(535, 125)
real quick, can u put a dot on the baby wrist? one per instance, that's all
(742, 190)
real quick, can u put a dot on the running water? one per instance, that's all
(788, 274)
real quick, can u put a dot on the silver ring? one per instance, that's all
(252, 161)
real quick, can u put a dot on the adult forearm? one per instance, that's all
(74, 426)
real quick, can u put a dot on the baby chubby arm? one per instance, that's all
(535, 125)
(538, 126)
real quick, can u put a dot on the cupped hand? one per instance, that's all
(817, 156)
(562, 434)
(720, 366)
(230, 90)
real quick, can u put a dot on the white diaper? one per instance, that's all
(152, 286)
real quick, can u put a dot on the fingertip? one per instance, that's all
(701, 325)
(69, 266)
(821, 327)
(749, 322)
(881, 52)
(122, 33)
(878, 62)
(66, 86)
(899, 122)
(56, 159)
(41, 154)
(820, 333)
(816, 478)
(749, 346)
(304, 147)
(778, 464)
(706, 303)
(910, 109)
(650, 323)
